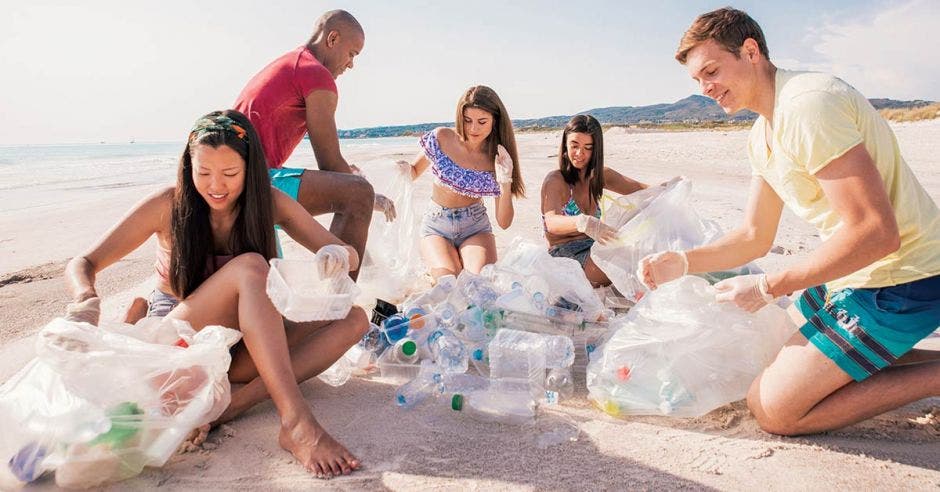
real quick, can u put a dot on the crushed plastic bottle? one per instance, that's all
(338, 373)
(405, 351)
(448, 351)
(559, 384)
(426, 384)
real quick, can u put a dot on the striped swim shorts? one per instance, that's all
(864, 330)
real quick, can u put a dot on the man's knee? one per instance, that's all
(360, 197)
(771, 414)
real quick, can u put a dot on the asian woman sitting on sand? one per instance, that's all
(215, 235)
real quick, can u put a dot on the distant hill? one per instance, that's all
(691, 110)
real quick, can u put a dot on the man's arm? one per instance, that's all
(869, 232)
(752, 240)
(321, 128)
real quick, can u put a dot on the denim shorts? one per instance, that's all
(864, 330)
(455, 224)
(579, 249)
(160, 303)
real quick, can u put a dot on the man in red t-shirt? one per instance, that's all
(296, 94)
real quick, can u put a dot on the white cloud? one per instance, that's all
(889, 53)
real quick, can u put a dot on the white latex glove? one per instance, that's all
(405, 169)
(503, 166)
(385, 205)
(659, 268)
(87, 311)
(332, 260)
(748, 292)
(595, 229)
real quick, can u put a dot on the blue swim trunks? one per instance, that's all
(865, 330)
(286, 179)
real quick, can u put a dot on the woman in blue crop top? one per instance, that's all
(571, 195)
(475, 160)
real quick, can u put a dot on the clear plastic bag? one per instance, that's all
(563, 279)
(649, 221)
(300, 293)
(98, 404)
(680, 353)
(391, 267)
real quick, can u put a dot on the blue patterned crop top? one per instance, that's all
(467, 182)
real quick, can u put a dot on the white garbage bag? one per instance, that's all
(98, 404)
(649, 221)
(392, 266)
(680, 353)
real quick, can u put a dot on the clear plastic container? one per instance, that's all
(396, 371)
(300, 294)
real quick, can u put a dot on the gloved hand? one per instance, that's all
(665, 184)
(405, 169)
(354, 169)
(595, 229)
(332, 260)
(87, 311)
(748, 292)
(660, 268)
(503, 166)
(386, 206)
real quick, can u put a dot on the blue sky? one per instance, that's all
(106, 70)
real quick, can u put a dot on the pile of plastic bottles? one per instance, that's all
(494, 345)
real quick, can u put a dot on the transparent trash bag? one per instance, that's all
(392, 266)
(680, 353)
(300, 293)
(563, 279)
(98, 404)
(650, 221)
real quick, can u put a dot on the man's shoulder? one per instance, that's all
(797, 85)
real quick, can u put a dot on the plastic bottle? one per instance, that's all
(405, 351)
(494, 406)
(557, 349)
(427, 383)
(480, 358)
(448, 351)
(374, 340)
(559, 384)
(338, 373)
(395, 327)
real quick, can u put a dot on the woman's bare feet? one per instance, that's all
(316, 450)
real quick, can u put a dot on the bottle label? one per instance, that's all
(551, 397)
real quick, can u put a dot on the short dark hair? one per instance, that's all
(729, 27)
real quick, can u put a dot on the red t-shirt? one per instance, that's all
(273, 101)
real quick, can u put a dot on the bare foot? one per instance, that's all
(316, 450)
(194, 439)
(136, 311)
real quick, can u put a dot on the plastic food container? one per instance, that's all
(300, 294)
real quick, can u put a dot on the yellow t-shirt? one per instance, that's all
(818, 118)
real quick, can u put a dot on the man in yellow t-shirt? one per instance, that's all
(872, 289)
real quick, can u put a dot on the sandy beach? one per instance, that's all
(431, 448)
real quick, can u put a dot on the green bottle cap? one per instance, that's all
(456, 402)
(409, 348)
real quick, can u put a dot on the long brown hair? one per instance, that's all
(191, 232)
(594, 172)
(482, 97)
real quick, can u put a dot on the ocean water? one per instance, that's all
(36, 178)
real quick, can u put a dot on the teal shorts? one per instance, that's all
(286, 179)
(865, 330)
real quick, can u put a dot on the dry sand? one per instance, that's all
(430, 448)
